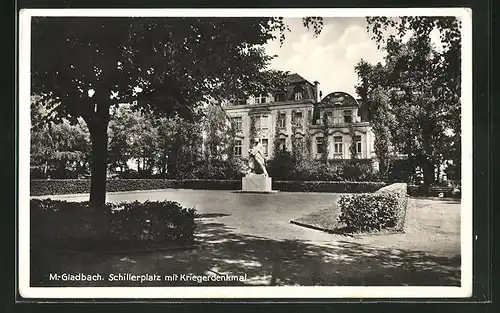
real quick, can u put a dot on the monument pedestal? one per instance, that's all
(255, 183)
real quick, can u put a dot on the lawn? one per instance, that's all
(324, 219)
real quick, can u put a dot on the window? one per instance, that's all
(357, 140)
(329, 117)
(265, 146)
(237, 147)
(320, 145)
(282, 144)
(256, 122)
(261, 122)
(297, 121)
(337, 144)
(347, 116)
(298, 95)
(282, 120)
(239, 101)
(264, 123)
(261, 99)
(237, 123)
(280, 96)
(337, 117)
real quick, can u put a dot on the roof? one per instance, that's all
(339, 99)
(297, 82)
(295, 78)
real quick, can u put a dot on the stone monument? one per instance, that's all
(256, 179)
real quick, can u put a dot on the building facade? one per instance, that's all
(331, 122)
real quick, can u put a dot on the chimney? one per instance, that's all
(316, 91)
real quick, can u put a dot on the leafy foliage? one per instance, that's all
(72, 186)
(58, 149)
(315, 171)
(282, 165)
(384, 209)
(71, 224)
(327, 186)
(416, 93)
(368, 212)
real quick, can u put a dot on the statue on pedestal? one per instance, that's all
(256, 160)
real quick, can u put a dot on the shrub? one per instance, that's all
(73, 224)
(281, 165)
(357, 170)
(368, 212)
(153, 221)
(400, 189)
(384, 209)
(327, 186)
(217, 169)
(401, 170)
(434, 191)
(210, 184)
(313, 170)
(70, 186)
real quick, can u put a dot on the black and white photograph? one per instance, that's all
(245, 153)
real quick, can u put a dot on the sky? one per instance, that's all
(331, 57)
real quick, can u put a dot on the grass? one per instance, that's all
(325, 220)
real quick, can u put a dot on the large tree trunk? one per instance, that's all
(98, 128)
(382, 165)
(429, 174)
(164, 163)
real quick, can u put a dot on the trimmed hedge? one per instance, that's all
(327, 186)
(367, 212)
(71, 186)
(420, 191)
(77, 224)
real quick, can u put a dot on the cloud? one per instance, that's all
(329, 58)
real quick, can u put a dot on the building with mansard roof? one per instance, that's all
(301, 111)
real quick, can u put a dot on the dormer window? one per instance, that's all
(298, 93)
(280, 96)
(261, 99)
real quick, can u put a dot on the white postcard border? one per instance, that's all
(23, 266)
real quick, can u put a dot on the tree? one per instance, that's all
(89, 65)
(58, 145)
(122, 134)
(179, 146)
(220, 133)
(414, 99)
